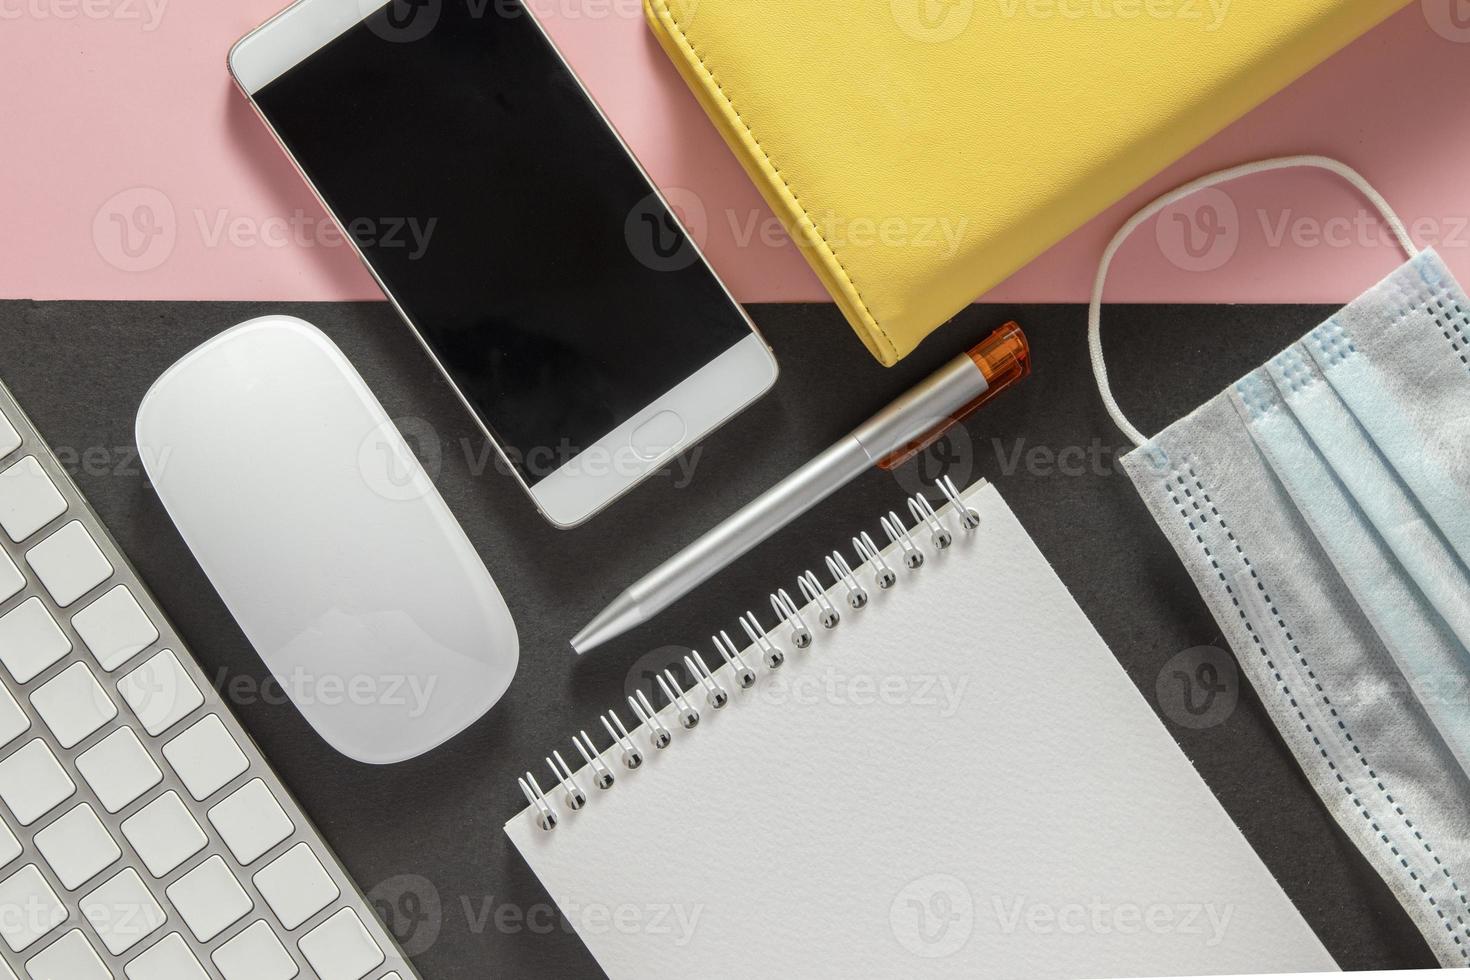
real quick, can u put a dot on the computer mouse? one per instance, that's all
(326, 540)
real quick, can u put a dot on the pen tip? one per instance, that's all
(611, 623)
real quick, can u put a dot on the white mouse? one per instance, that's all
(327, 541)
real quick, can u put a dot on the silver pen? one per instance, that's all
(896, 434)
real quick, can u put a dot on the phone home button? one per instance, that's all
(658, 435)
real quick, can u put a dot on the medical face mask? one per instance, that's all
(1322, 506)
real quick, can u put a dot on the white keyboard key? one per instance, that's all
(32, 782)
(206, 757)
(69, 958)
(164, 833)
(28, 499)
(160, 692)
(341, 949)
(11, 580)
(13, 721)
(9, 439)
(296, 886)
(32, 909)
(69, 564)
(30, 640)
(77, 847)
(168, 959)
(119, 769)
(250, 821)
(115, 628)
(255, 954)
(209, 899)
(73, 705)
(123, 911)
(9, 847)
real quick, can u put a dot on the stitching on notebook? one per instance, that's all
(704, 66)
(1203, 514)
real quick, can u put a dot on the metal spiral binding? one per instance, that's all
(898, 534)
(871, 554)
(971, 518)
(715, 693)
(600, 772)
(812, 590)
(743, 672)
(923, 512)
(576, 797)
(669, 684)
(788, 616)
(661, 736)
(773, 655)
(546, 817)
(786, 610)
(632, 758)
(857, 596)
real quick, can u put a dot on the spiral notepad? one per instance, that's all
(925, 762)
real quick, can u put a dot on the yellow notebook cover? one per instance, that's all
(920, 151)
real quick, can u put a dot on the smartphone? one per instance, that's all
(514, 232)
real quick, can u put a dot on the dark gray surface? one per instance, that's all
(425, 836)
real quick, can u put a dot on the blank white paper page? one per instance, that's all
(958, 781)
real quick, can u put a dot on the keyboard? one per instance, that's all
(142, 834)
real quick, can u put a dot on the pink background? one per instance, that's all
(119, 117)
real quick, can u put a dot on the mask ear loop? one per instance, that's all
(1094, 310)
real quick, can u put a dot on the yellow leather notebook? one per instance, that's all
(920, 151)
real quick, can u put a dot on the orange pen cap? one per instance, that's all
(1004, 358)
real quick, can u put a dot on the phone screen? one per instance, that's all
(515, 231)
